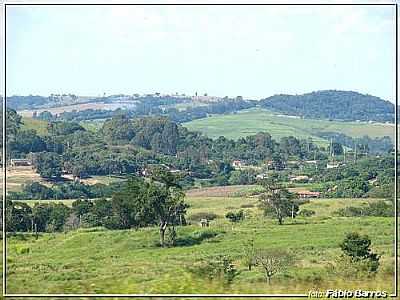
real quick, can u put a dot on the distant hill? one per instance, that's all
(332, 105)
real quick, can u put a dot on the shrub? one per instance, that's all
(375, 209)
(306, 213)
(379, 209)
(196, 237)
(22, 249)
(249, 205)
(350, 211)
(235, 217)
(218, 267)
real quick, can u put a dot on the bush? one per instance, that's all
(218, 267)
(375, 209)
(249, 205)
(350, 211)
(196, 237)
(306, 213)
(235, 217)
(346, 267)
(22, 249)
(379, 209)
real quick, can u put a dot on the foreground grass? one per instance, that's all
(130, 261)
(249, 122)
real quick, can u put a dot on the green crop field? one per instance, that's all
(251, 121)
(130, 261)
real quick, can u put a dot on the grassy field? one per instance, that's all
(129, 261)
(38, 125)
(250, 122)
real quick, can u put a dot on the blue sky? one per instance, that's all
(253, 51)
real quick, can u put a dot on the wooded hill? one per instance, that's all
(332, 105)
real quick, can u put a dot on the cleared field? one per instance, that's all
(18, 176)
(250, 122)
(129, 261)
(218, 191)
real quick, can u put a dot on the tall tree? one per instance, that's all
(277, 201)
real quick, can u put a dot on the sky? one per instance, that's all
(251, 51)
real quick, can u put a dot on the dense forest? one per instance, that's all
(332, 105)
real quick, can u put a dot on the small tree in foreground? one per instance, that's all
(357, 247)
(357, 260)
(249, 253)
(273, 262)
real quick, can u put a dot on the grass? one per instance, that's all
(129, 261)
(39, 125)
(249, 122)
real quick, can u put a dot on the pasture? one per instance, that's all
(252, 121)
(97, 260)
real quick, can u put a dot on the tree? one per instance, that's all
(273, 262)
(249, 253)
(167, 201)
(277, 201)
(357, 259)
(48, 164)
(358, 248)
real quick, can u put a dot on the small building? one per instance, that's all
(237, 164)
(308, 194)
(20, 162)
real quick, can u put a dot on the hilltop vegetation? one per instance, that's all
(332, 105)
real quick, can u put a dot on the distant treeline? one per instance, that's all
(153, 108)
(363, 144)
(328, 105)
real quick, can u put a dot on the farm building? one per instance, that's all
(19, 162)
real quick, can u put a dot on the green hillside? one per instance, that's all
(38, 125)
(255, 120)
